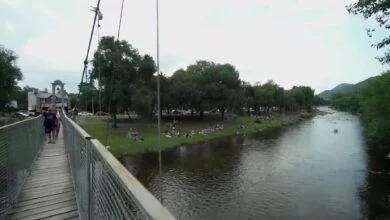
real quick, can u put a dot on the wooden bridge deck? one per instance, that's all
(48, 193)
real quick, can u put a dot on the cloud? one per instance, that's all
(9, 26)
(291, 41)
(12, 3)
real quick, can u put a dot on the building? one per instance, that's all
(38, 100)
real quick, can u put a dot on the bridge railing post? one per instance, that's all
(88, 146)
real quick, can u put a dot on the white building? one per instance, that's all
(38, 100)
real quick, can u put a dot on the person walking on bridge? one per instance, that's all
(58, 123)
(50, 124)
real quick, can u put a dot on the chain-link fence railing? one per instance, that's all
(105, 189)
(19, 145)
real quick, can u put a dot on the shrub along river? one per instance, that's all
(306, 171)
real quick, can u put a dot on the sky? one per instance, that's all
(293, 42)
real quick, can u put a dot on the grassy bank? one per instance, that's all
(121, 145)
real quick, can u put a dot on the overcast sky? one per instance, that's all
(293, 42)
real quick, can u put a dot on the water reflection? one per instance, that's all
(303, 172)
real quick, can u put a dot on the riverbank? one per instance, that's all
(121, 141)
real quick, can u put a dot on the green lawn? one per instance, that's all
(121, 145)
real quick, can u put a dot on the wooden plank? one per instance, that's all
(44, 199)
(48, 191)
(56, 160)
(53, 175)
(43, 204)
(68, 216)
(44, 211)
(51, 213)
(53, 151)
(48, 187)
(49, 170)
(49, 182)
(47, 179)
(44, 166)
(30, 197)
(51, 155)
(64, 166)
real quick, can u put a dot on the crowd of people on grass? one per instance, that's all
(174, 132)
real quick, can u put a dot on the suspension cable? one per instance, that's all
(158, 99)
(98, 64)
(112, 76)
(120, 21)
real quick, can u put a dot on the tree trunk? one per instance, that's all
(192, 112)
(222, 111)
(114, 121)
(128, 114)
(201, 114)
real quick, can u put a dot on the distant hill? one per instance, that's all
(344, 89)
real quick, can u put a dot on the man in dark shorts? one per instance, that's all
(49, 124)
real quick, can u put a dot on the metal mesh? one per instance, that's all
(110, 199)
(100, 192)
(19, 145)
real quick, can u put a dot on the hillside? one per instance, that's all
(344, 89)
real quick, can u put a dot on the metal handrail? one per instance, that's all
(20, 144)
(105, 189)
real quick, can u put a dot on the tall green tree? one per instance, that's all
(376, 109)
(248, 95)
(123, 73)
(21, 95)
(10, 74)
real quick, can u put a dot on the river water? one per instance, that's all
(302, 172)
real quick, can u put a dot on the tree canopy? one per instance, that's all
(10, 74)
(128, 83)
(372, 102)
(379, 9)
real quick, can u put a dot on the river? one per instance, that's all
(302, 172)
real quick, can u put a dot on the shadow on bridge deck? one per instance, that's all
(48, 192)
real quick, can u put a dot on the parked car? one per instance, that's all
(101, 113)
(85, 114)
(21, 113)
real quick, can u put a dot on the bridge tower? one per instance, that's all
(62, 92)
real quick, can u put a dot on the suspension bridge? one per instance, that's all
(74, 178)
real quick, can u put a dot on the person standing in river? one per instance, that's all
(50, 124)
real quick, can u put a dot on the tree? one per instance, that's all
(88, 96)
(375, 105)
(10, 74)
(185, 90)
(216, 85)
(21, 94)
(142, 102)
(248, 95)
(380, 10)
(123, 73)
(72, 100)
